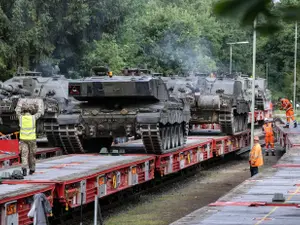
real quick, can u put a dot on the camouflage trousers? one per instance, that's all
(28, 152)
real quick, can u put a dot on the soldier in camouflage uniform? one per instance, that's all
(28, 115)
(36, 104)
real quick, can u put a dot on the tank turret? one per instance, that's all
(119, 106)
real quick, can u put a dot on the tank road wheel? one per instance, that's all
(241, 124)
(234, 125)
(168, 137)
(231, 122)
(181, 135)
(238, 124)
(160, 138)
(163, 135)
(245, 121)
(176, 135)
(172, 136)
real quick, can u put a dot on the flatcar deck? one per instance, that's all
(252, 202)
(10, 159)
(8, 191)
(72, 167)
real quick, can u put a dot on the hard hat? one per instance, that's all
(266, 120)
(256, 138)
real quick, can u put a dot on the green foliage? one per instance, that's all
(105, 52)
(270, 16)
(276, 50)
(168, 36)
(179, 36)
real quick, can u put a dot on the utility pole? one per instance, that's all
(230, 63)
(253, 83)
(295, 64)
(267, 74)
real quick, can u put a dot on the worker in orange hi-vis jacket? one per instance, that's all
(269, 136)
(288, 107)
(255, 157)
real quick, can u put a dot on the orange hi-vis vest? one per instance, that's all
(268, 129)
(286, 104)
(255, 156)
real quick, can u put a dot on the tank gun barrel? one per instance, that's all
(11, 89)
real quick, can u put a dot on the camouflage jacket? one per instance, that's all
(38, 103)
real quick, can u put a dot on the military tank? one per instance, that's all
(222, 101)
(9, 98)
(32, 86)
(262, 94)
(118, 106)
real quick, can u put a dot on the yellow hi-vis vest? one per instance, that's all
(27, 128)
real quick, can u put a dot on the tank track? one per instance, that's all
(64, 136)
(51, 130)
(232, 123)
(159, 139)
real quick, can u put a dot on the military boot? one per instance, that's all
(267, 153)
(295, 125)
(24, 171)
(31, 172)
(273, 153)
(286, 126)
